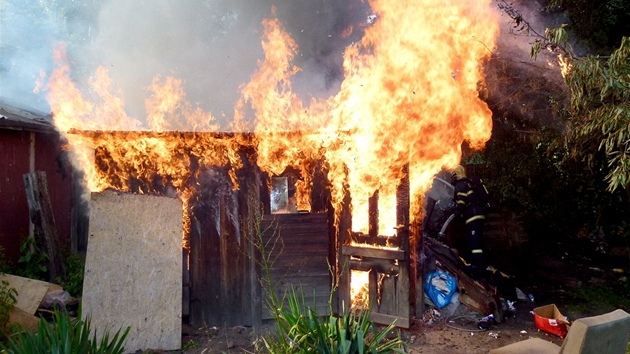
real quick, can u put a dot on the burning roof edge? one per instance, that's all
(215, 134)
(154, 133)
(13, 117)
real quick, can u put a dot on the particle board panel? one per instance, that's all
(133, 269)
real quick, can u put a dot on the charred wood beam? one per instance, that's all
(403, 203)
(382, 253)
(378, 241)
(373, 215)
(383, 266)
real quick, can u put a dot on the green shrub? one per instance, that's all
(75, 267)
(64, 336)
(302, 330)
(33, 262)
(4, 266)
(8, 298)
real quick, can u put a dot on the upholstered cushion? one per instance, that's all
(607, 333)
(528, 346)
(603, 334)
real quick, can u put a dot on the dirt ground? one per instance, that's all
(549, 279)
(456, 335)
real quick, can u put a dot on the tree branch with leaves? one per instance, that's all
(599, 110)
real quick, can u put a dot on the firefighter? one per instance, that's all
(471, 209)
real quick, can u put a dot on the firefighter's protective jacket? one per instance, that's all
(466, 202)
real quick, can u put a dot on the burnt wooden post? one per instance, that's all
(252, 211)
(417, 267)
(373, 216)
(403, 202)
(41, 215)
(344, 234)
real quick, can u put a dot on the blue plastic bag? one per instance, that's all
(440, 287)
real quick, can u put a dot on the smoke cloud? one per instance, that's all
(213, 46)
(520, 87)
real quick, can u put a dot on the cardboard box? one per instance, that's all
(549, 319)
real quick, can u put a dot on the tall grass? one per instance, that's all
(64, 336)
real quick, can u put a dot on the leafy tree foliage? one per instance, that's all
(601, 23)
(579, 180)
(600, 113)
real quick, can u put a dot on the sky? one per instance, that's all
(212, 45)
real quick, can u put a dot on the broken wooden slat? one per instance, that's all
(41, 215)
(373, 252)
(30, 291)
(25, 320)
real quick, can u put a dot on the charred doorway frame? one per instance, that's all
(390, 286)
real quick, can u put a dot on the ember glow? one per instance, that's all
(409, 98)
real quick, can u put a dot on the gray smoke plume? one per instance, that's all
(518, 85)
(213, 46)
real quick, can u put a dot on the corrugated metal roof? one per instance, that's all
(15, 118)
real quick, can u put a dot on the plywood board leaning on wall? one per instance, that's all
(133, 269)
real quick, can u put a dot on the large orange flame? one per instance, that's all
(409, 98)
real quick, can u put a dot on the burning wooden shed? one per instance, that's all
(224, 199)
(227, 199)
(360, 161)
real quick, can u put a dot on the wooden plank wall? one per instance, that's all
(222, 286)
(303, 253)
(18, 150)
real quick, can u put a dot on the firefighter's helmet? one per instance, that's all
(459, 172)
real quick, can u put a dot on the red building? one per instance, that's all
(28, 143)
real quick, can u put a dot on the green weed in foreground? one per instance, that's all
(64, 336)
(302, 330)
(8, 299)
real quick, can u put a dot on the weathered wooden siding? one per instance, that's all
(50, 158)
(221, 280)
(15, 150)
(302, 254)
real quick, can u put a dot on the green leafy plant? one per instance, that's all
(191, 344)
(75, 267)
(351, 332)
(65, 336)
(8, 299)
(33, 262)
(301, 329)
(4, 266)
